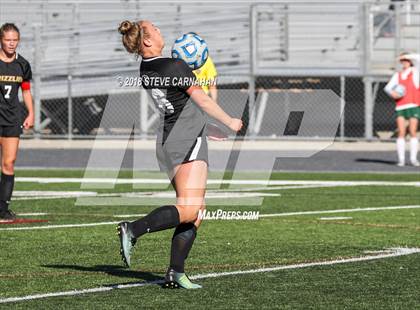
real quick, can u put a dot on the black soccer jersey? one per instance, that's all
(12, 75)
(167, 80)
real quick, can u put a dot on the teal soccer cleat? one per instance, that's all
(175, 279)
(127, 241)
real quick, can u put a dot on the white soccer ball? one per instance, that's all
(400, 90)
(191, 48)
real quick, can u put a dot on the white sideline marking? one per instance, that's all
(30, 195)
(394, 252)
(261, 215)
(53, 193)
(280, 187)
(378, 252)
(32, 214)
(338, 211)
(128, 215)
(60, 226)
(117, 216)
(211, 194)
(213, 181)
(332, 218)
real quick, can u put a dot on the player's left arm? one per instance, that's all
(27, 97)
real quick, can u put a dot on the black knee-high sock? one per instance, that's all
(7, 183)
(182, 242)
(159, 219)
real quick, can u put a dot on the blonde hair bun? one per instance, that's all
(125, 27)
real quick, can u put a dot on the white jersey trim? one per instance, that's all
(150, 59)
(406, 106)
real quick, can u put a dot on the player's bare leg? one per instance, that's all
(401, 125)
(190, 184)
(9, 149)
(170, 216)
(414, 142)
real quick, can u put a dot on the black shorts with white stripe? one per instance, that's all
(171, 154)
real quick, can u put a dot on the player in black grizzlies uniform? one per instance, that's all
(15, 73)
(181, 146)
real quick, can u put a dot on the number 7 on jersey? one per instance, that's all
(8, 89)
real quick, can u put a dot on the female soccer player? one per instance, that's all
(407, 105)
(15, 73)
(181, 146)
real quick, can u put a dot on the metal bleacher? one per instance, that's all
(80, 39)
(314, 36)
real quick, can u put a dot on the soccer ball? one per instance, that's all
(400, 90)
(191, 48)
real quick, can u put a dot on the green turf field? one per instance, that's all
(64, 258)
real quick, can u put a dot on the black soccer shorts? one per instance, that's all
(11, 131)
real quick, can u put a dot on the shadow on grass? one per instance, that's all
(376, 161)
(112, 270)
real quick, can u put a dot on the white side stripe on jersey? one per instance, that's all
(196, 149)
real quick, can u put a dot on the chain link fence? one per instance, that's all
(125, 111)
(350, 92)
(384, 114)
